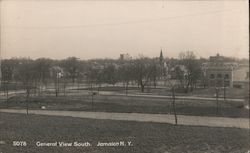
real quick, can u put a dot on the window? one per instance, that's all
(226, 83)
(226, 76)
(211, 76)
(219, 75)
(219, 83)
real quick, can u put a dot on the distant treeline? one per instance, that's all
(142, 71)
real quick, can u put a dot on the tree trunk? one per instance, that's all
(64, 89)
(78, 87)
(155, 82)
(7, 93)
(187, 87)
(92, 101)
(142, 88)
(217, 101)
(173, 97)
(99, 86)
(27, 101)
(126, 88)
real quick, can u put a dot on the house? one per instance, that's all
(178, 71)
(56, 72)
(241, 76)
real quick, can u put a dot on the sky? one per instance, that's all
(105, 29)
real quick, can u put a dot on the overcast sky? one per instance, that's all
(104, 29)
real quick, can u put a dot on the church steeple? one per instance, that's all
(161, 57)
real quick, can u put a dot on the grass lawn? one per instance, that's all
(199, 92)
(146, 137)
(130, 104)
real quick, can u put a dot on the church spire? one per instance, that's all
(161, 56)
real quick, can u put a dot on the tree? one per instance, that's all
(7, 68)
(71, 67)
(217, 92)
(188, 59)
(93, 76)
(27, 75)
(156, 71)
(180, 75)
(173, 104)
(161, 60)
(56, 74)
(142, 71)
(42, 67)
(125, 72)
(109, 74)
(172, 86)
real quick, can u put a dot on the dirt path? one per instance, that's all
(112, 93)
(158, 118)
(167, 97)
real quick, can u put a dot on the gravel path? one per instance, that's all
(157, 118)
(110, 93)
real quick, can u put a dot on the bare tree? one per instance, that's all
(71, 67)
(27, 75)
(126, 75)
(173, 104)
(93, 76)
(188, 59)
(109, 75)
(156, 71)
(56, 74)
(142, 71)
(42, 66)
(217, 99)
(172, 85)
(7, 68)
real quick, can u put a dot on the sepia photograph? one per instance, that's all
(124, 76)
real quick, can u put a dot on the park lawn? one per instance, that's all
(127, 104)
(233, 93)
(146, 137)
(239, 93)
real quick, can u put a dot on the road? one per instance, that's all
(138, 117)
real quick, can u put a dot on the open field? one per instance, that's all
(161, 90)
(146, 137)
(140, 117)
(128, 104)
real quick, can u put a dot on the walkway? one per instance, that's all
(157, 118)
(107, 93)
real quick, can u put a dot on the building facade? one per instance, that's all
(125, 57)
(218, 72)
(241, 77)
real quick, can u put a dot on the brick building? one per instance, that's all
(218, 72)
